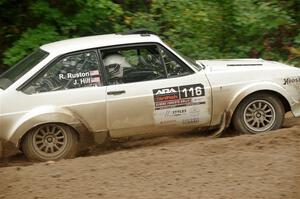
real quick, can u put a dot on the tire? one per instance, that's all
(50, 142)
(259, 113)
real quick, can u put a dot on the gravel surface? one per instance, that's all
(183, 166)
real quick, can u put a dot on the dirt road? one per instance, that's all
(186, 166)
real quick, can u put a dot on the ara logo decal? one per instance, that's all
(165, 91)
(166, 94)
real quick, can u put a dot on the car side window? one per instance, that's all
(133, 64)
(174, 66)
(72, 71)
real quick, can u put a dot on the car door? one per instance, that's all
(151, 91)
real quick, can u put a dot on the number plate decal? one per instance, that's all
(178, 104)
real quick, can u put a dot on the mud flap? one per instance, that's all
(101, 137)
(7, 149)
(224, 123)
(1, 149)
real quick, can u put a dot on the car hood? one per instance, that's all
(239, 64)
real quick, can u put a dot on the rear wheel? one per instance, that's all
(50, 142)
(259, 113)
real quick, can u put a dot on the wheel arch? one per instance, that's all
(266, 87)
(46, 115)
(21, 139)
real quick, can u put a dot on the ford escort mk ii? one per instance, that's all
(123, 85)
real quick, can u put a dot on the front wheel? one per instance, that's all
(50, 142)
(259, 113)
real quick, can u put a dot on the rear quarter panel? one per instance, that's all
(20, 112)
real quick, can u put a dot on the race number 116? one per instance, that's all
(195, 90)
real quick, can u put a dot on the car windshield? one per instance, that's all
(22, 67)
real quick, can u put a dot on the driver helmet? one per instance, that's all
(114, 63)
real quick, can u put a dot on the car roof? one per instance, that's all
(81, 43)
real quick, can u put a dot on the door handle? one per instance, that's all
(115, 92)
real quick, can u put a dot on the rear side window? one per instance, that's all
(70, 72)
(22, 67)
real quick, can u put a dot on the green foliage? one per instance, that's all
(30, 40)
(201, 29)
(224, 28)
(182, 24)
(58, 21)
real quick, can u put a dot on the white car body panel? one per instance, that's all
(231, 79)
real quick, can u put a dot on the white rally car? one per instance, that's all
(122, 85)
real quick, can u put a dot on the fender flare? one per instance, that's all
(43, 115)
(253, 88)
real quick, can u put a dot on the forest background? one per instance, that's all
(201, 29)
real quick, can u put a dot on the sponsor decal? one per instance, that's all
(171, 97)
(166, 91)
(291, 80)
(175, 113)
(179, 105)
(167, 122)
(166, 94)
(190, 121)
